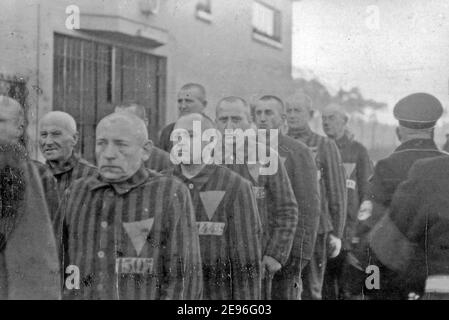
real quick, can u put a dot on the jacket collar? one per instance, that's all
(140, 177)
(67, 166)
(300, 133)
(344, 140)
(417, 144)
(200, 179)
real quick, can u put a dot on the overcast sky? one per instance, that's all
(387, 48)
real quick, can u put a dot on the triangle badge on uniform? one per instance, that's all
(314, 151)
(138, 232)
(254, 171)
(349, 168)
(283, 159)
(211, 200)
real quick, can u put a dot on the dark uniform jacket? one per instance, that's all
(29, 266)
(164, 141)
(230, 230)
(358, 169)
(390, 172)
(301, 170)
(413, 239)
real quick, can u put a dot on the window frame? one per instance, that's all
(259, 35)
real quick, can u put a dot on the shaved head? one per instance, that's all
(12, 121)
(60, 119)
(336, 109)
(186, 121)
(302, 100)
(126, 121)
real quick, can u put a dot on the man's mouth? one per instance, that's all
(49, 149)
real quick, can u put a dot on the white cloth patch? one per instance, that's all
(365, 211)
(349, 168)
(318, 175)
(138, 232)
(350, 184)
(211, 201)
(206, 228)
(134, 265)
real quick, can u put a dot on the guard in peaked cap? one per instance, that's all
(417, 115)
(418, 111)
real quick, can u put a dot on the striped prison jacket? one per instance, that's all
(133, 240)
(230, 232)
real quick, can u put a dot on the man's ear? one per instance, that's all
(205, 104)
(147, 148)
(76, 137)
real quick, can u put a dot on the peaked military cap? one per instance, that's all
(418, 111)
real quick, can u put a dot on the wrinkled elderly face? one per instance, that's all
(268, 114)
(333, 123)
(56, 141)
(232, 115)
(119, 149)
(10, 124)
(190, 101)
(298, 116)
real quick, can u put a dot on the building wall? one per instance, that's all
(221, 54)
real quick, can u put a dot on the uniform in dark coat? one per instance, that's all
(388, 174)
(29, 265)
(413, 239)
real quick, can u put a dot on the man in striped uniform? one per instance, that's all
(29, 267)
(301, 169)
(191, 99)
(57, 139)
(159, 159)
(345, 276)
(131, 232)
(332, 182)
(276, 201)
(227, 217)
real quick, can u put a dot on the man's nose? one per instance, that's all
(229, 125)
(48, 140)
(109, 152)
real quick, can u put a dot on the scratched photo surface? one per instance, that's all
(224, 150)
